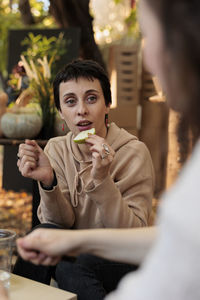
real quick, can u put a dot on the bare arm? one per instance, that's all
(46, 246)
(3, 293)
(125, 245)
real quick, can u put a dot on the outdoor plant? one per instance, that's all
(6, 21)
(39, 62)
(131, 21)
(38, 46)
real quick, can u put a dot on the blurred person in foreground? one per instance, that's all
(170, 267)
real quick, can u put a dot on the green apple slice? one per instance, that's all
(83, 135)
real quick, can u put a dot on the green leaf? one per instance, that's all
(117, 1)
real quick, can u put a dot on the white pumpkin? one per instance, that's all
(21, 125)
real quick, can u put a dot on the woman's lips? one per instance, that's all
(84, 126)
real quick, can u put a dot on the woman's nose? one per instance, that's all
(82, 109)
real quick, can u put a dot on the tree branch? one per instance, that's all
(75, 13)
(25, 10)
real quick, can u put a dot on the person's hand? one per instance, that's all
(102, 157)
(33, 163)
(47, 246)
(3, 293)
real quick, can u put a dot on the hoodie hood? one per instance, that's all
(118, 137)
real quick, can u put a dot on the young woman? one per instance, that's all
(106, 182)
(171, 269)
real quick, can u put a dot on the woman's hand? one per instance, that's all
(102, 157)
(3, 293)
(33, 163)
(46, 246)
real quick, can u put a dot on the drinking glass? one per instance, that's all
(7, 239)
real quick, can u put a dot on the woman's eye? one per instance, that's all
(92, 99)
(70, 101)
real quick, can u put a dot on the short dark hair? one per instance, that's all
(86, 69)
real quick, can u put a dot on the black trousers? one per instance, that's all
(88, 276)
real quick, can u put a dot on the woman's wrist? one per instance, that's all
(50, 183)
(78, 242)
(99, 180)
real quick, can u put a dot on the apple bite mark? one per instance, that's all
(83, 135)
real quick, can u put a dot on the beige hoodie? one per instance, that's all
(123, 199)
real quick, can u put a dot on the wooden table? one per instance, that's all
(25, 289)
(15, 142)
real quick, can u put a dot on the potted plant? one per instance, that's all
(39, 62)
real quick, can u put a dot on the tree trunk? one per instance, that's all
(75, 13)
(25, 10)
(3, 81)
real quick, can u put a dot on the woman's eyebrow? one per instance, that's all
(91, 91)
(68, 94)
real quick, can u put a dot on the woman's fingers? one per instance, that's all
(30, 147)
(96, 156)
(32, 247)
(32, 153)
(100, 146)
(102, 157)
(47, 260)
(27, 164)
(38, 258)
(26, 254)
(105, 153)
(28, 156)
(27, 168)
(26, 159)
(101, 162)
(33, 162)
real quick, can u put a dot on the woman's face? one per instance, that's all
(82, 105)
(153, 46)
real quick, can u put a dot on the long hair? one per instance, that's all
(180, 24)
